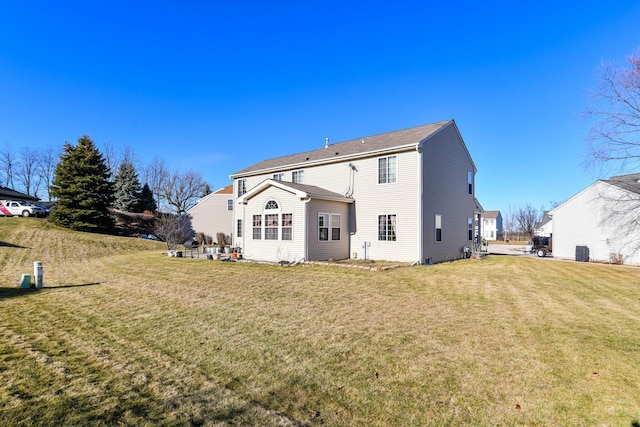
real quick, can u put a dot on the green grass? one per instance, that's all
(122, 335)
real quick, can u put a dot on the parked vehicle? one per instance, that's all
(20, 208)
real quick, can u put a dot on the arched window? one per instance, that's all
(271, 220)
(271, 204)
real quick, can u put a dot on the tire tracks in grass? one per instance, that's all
(169, 386)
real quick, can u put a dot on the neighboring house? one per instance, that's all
(404, 196)
(7, 193)
(604, 218)
(491, 225)
(214, 213)
(545, 227)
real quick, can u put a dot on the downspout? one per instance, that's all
(306, 227)
(420, 206)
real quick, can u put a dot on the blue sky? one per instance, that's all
(217, 86)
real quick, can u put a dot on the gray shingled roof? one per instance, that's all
(354, 147)
(8, 193)
(629, 182)
(314, 191)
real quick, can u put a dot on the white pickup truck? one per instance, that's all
(20, 208)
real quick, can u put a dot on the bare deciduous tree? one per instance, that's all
(8, 162)
(47, 160)
(27, 171)
(525, 218)
(174, 230)
(614, 139)
(614, 145)
(182, 190)
(155, 174)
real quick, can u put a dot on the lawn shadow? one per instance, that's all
(16, 292)
(11, 245)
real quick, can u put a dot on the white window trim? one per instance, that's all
(435, 228)
(378, 227)
(242, 187)
(329, 227)
(298, 173)
(387, 176)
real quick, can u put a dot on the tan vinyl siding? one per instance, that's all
(446, 192)
(323, 250)
(211, 215)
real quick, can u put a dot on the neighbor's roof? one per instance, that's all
(629, 182)
(354, 148)
(8, 193)
(225, 190)
(490, 214)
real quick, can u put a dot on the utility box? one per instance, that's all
(582, 253)
(37, 274)
(25, 281)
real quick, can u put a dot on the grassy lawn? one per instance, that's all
(122, 335)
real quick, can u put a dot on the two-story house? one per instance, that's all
(403, 196)
(491, 225)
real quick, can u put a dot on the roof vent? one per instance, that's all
(326, 143)
(363, 141)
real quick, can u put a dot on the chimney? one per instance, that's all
(326, 143)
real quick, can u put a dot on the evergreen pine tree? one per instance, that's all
(127, 191)
(82, 189)
(207, 190)
(147, 202)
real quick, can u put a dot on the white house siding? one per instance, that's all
(323, 250)
(211, 215)
(586, 220)
(273, 250)
(445, 192)
(400, 198)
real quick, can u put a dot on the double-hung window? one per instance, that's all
(229, 204)
(470, 227)
(287, 226)
(276, 225)
(271, 227)
(242, 187)
(387, 227)
(239, 228)
(257, 227)
(470, 181)
(297, 177)
(387, 169)
(329, 225)
(278, 176)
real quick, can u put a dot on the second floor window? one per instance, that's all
(297, 177)
(387, 170)
(242, 187)
(229, 204)
(278, 176)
